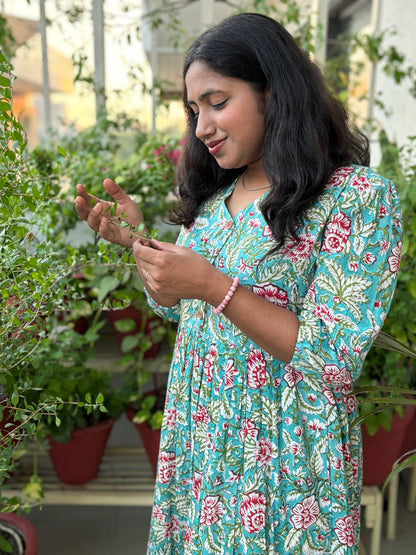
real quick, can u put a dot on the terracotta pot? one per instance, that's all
(78, 461)
(409, 439)
(383, 449)
(20, 533)
(135, 314)
(150, 439)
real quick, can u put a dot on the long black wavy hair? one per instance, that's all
(308, 133)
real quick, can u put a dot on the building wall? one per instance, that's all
(399, 15)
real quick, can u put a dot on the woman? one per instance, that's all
(280, 280)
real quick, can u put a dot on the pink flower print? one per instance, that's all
(369, 258)
(325, 314)
(230, 372)
(299, 249)
(337, 233)
(291, 376)
(350, 403)
(305, 514)
(384, 246)
(170, 418)
(394, 258)
(253, 223)
(256, 369)
(211, 510)
(249, 429)
(382, 212)
(167, 466)
(188, 534)
(295, 448)
(253, 511)
(272, 293)
(267, 232)
(353, 266)
(159, 514)
(312, 291)
(172, 527)
(336, 463)
(196, 481)
(315, 425)
(264, 452)
(361, 184)
(344, 529)
(243, 267)
(338, 177)
(202, 416)
(209, 363)
(329, 396)
(335, 375)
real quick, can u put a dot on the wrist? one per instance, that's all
(218, 285)
(228, 296)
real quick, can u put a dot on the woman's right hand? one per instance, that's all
(97, 213)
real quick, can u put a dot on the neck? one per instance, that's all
(251, 182)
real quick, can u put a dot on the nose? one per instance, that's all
(205, 126)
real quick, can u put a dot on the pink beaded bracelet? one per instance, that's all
(228, 296)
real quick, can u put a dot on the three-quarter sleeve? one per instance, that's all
(353, 282)
(171, 313)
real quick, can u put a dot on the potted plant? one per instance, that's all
(17, 535)
(80, 425)
(144, 386)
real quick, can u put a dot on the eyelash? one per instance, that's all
(218, 106)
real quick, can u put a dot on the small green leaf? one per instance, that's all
(100, 399)
(5, 546)
(61, 150)
(15, 398)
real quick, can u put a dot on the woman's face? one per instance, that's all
(229, 114)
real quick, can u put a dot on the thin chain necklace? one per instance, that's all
(255, 188)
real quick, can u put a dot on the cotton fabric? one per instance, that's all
(258, 456)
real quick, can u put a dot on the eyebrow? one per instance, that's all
(205, 95)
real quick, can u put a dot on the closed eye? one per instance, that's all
(220, 105)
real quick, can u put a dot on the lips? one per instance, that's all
(215, 146)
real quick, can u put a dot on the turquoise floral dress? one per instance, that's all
(258, 456)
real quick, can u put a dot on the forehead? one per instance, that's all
(200, 81)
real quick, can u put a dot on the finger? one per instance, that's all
(82, 191)
(163, 246)
(81, 207)
(116, 191)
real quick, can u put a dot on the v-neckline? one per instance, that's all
(227, 194)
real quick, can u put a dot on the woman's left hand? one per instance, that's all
(173, 272)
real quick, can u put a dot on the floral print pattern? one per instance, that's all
(259, 456)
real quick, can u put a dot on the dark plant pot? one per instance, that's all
(7, 422)
(383, 449)
(135, 314)
(20, 533)
(150, 439)
(78, 461)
